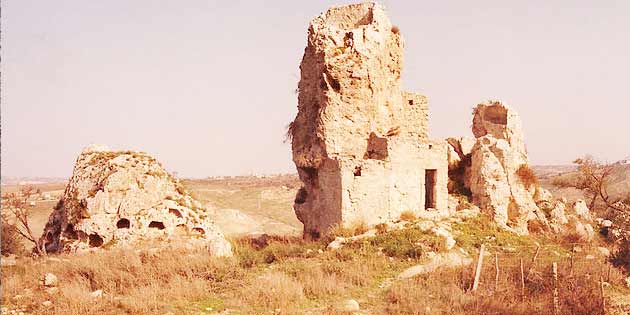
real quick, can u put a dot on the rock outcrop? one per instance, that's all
(360, 143)
(498, 177)
(116, 198)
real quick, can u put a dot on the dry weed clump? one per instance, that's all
(527, 176)
(274, 290)
(448, 291)
(356, 228)
(135, 282)
(408, 215)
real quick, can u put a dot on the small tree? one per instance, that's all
(594, 179)
(17, 206)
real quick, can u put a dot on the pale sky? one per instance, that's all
(208, 86)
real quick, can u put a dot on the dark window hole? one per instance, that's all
(123, 223)
(95, 240)
(156, 225)
(175, 212)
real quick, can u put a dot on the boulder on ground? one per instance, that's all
(543, 194)
(581, 210)
(50, 280)
(117, 198)
(558, 217)
(584, 232)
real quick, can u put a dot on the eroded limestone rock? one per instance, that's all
(498, 161)
(360, 143)
(558, 217)
(116, 198)
(581, 210)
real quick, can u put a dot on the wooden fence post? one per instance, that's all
(479, 265)
(556, 299)
(522, 281)
(529, 271)
(496, 274)
(601, 288)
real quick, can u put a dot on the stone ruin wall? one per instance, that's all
(360, 144)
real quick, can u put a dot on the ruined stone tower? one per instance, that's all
(360, 144)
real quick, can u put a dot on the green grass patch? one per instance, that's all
(212, 305)
(406, 243)
(483, 230)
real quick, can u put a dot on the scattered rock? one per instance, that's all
(603, 251)
(340, 241)
(606, 223)
(509, 249)
(557, 217)
(97, 294)
(52, 291)
(543, 194)
(50, 280)
(584, 231)
(349, 305)
(8, 261)
(442, 260)
(425, 226)
(581, 210)
(449, 241)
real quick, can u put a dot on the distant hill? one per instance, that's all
(551, 177)
(548, 171)
(12, 180)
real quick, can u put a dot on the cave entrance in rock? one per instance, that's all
(429, 188)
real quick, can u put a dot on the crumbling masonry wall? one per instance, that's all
(360, 144)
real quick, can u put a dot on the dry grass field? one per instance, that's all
(291, 276)
(287, 275)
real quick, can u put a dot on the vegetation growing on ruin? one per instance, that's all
(457, 177)
(527, 176)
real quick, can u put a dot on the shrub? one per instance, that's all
(621, 258)
(457, 176)
(11, 240)
(381, 228)
(564, 181)
(464, 202)
(405, 243)
(357, 228)
(527, 176)
(274, 290)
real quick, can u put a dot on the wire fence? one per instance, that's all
(542, 272)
